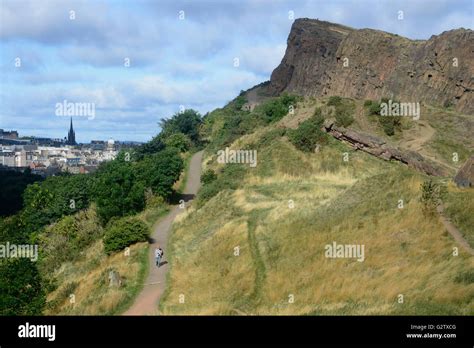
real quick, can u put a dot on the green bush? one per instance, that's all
(343, 117)
(388, 123)
(67, 238)
(120, 233)
(334, 101)
(179, 141)
(308, 134)
(275, 109)
(229, 178)
(432, 195)
(240, 101)
(208, 176)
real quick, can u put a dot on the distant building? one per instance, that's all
(71, 136)
(8, 135)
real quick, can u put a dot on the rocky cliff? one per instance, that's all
(324, 59)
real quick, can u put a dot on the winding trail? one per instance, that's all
(453, 230)
(146, 302)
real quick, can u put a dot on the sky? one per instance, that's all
(137, 62)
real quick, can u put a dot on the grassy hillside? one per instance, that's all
(87, 275)
(255, 242)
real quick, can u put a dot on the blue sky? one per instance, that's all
(173, 61)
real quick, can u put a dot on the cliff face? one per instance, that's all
(438, 71)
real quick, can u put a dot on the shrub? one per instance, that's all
(343, 117)
(178, 141)
(308, 134)
(67, 238)
(367, 103)
(230, 178)
(208, 176)
(388, 123)
(334, 101)
(374, 107)
(432, 195)
(123, 232)
(240, 101)
(275, 109)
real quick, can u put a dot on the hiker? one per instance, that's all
(158, 255)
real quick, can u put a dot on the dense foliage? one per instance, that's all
(64, 214)
(13, 184)
(123, 232)
(309, 134)
(388, 123)
(222, 126)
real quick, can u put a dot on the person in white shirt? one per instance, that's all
(158, 255)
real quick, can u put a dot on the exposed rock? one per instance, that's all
(377, 147)
(465, 175)
(114, 278)
(437, 71)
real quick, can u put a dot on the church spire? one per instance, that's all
(71, 136)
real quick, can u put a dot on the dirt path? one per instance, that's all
(453, 230)
(417, 137)
(147, 301)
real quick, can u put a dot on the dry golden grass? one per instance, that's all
(282, 248)
(91, 291)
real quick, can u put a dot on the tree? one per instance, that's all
(21, 291)
(55, 197)
(13, 185)
(186, 122)
(153, 146)
(178, 141)
(118, 191)
(160, 171)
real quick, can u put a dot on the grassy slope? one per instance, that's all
(281, 249)
(87, 277)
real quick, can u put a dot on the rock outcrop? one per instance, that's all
(378, 147)
(465, 176)
(325, 59)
